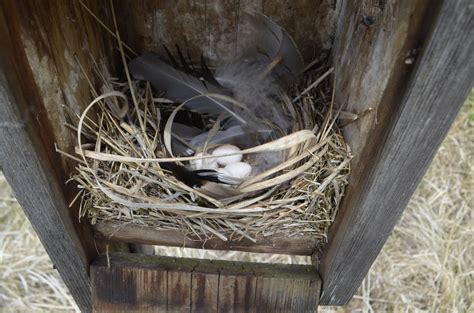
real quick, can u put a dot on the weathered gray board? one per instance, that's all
(139, 283)
(402, 144)
(26, 168)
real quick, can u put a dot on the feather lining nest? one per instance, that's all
(120, 178)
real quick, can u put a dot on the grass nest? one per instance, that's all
(123, 137)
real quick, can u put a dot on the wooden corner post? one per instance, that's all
(420, 100)
(27, 161)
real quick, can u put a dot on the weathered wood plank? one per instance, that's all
(237, 293)
(150, 236)
(205, 290)
(244, 28)
(150, 24)
(215, 27)
(276, 293)
(29, 174)
(179, 291)
(280, 295)
(222, 19)
(418, 116)
(373, 40)
(311, 23)
(284, 288)
(31, 166)
(119, 290)
(52, 35)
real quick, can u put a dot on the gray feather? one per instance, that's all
(262, 97)
(257, 82)
(181, 136)
(238, 135)
(179, 86)
(274, 42)
(184, 131)
(180, 148)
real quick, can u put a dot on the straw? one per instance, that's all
(121, 180)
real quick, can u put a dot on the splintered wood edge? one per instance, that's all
(149, 236)
(205, 266)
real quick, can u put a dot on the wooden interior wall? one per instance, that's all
(53, 34)
(39, 43)
(54, 38)
(374, 50)
(215, 27)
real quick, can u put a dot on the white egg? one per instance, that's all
(227, 149)
(200, 164)
(239, 170)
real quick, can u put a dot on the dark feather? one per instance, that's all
(206, 72)
(184, 131)
(185, 65)
(191, 178)
(180, 86)
(180, 132)
(171, 58)
(268, 64)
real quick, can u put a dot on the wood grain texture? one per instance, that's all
(215, 27)
(147, 235)
(205, 291)
(237, 293)
(179, 295)
(152, 24)
(40, 79)
(147, 288)
(30, 164)
(311, 23)
(215, 286)
(27, 170)
(373, 40)
(53, 34)
(280, 295)
(418, 116)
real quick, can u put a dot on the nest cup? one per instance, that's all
(124, 135)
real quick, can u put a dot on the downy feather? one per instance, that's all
(258, 77)
(273, 42)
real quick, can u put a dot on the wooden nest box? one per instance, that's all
(403, 66)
